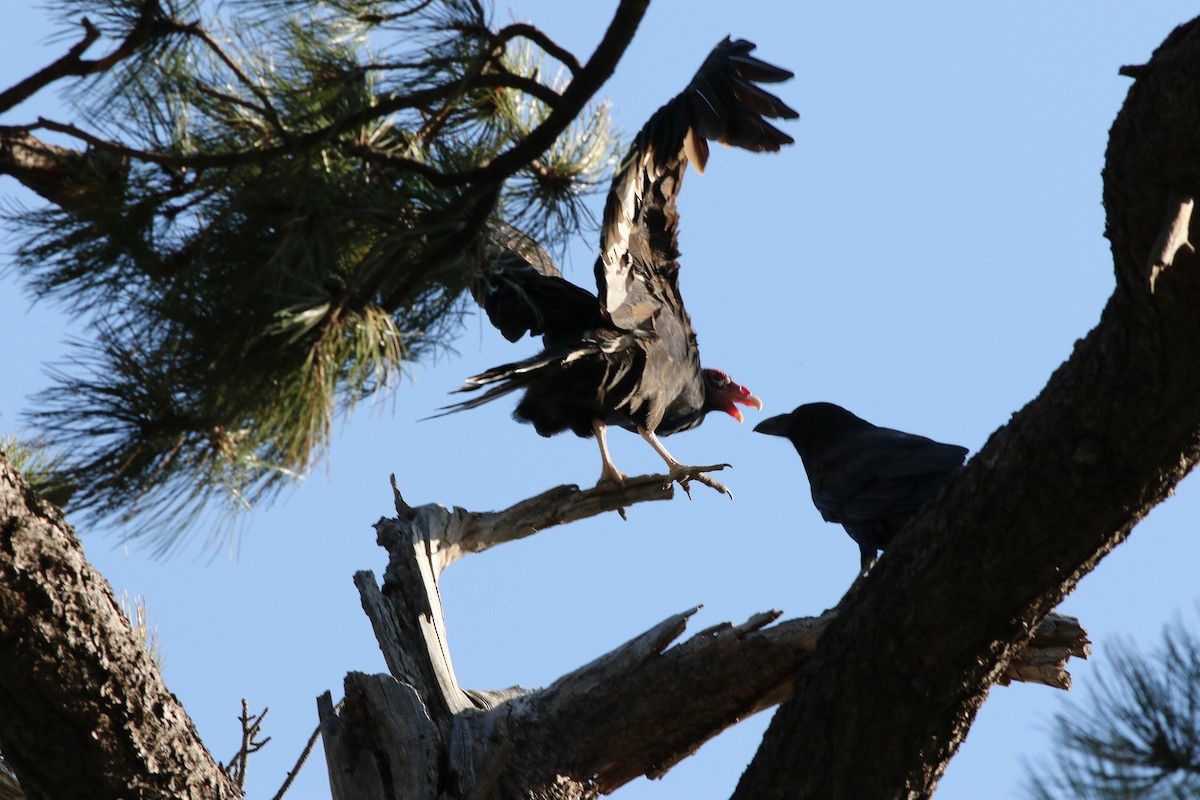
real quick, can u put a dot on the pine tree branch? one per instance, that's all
(586, 83)
(195, 30)
(83, 710)
(535, 35)
(564, 108)
(74, 65)
(68, 178)
(298, 143)
(509, 80)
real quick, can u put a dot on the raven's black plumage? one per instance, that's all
(870, 479)
(629, 356)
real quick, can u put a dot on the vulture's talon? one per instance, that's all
(616, 478)
(684, 475)
(686, 485)
(712, 483)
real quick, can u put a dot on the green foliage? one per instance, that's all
(303, 195)
(1138, 735)
(41, 469)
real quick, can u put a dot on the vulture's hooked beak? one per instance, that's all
(740, 394)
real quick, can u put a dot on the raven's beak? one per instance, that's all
(775, 426)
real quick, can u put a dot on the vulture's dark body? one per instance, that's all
(628, 356)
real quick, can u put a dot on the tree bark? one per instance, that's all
(902, 670)
(635, 711)
(68, 178)
(83, 711)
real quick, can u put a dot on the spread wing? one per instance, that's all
(523, 290)
(637, 268)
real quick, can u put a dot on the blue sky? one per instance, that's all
(925, 254)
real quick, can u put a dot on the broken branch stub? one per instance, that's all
(637, 710)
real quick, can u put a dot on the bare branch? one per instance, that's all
(566, 741)
(72, 64)
(535, 35)
(303, 757)
(1044, 660)
(251, 727)
(454, 533)
(587, 82)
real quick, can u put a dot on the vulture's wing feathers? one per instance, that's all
(636, 270)
(523, 290)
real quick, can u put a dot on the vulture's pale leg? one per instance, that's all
(681, 472)
(609, 471)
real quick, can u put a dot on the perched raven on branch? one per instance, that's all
(870, 479)
(629, 357)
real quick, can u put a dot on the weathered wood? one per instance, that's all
(1173, 239)
(637, 710)
(451, 534)
(1044, 659)
(383, 744)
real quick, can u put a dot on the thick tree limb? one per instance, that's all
(83, 710)
(1049, 494)
(68, 178)
(637, 710)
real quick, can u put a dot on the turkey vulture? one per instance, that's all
(628, 356)
(870, 479)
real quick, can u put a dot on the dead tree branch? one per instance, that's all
(592, 730)
(455, 532)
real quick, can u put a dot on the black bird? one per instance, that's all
(870, 479)
(629, 357)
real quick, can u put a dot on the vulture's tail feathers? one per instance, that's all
(508, 378)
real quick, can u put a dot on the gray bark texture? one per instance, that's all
(897, 685)
(415, 733)
(83, 711)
